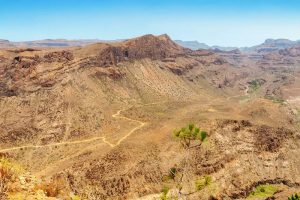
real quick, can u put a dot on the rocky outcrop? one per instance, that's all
(288, 56)
(58, 56)
(31, 70)
(292, 52)
(110, 72)
(271, 139)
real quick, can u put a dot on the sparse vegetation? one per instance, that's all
(263, 191)
(164, 193)
(255, 85)
(172, 173)
(202, 182)
(275, 99)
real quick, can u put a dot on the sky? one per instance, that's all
(215, 22)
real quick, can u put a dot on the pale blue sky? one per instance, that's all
(215, 22)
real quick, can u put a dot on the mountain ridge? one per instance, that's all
(267, 46)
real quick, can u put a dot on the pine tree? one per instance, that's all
(190, 134)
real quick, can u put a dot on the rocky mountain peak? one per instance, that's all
(147, 46)
(282, 43)
(161, 43)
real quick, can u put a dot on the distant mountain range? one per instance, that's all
(49, 43)
(270, 45)
(195, 45)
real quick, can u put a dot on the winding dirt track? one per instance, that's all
(117, 115)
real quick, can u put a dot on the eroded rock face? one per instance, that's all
(58, 56)
(22, 73)
(110, 72)
(271, 139)
(287, 56)
(25, 61)
(292, 52)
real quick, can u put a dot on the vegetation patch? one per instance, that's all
(254, 85)
(203, 182)
(262, 192)
(275, 99)
(164, 193)
(171, 175)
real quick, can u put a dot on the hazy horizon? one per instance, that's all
(216, 22)
(99, 39)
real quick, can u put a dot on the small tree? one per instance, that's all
(190, 134)
(189, 137)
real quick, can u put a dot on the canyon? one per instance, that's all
(96, 121)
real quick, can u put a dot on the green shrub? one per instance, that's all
(202, 182)
(255, 85)
(172, 172)
(203, 135)
(263, 191)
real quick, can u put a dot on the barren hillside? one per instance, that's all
(97, 121)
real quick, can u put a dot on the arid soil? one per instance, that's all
(97, 121)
